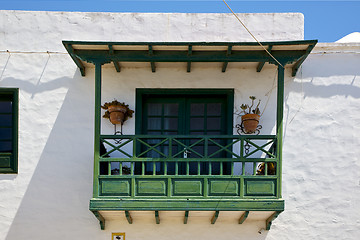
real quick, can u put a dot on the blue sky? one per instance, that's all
(326, 21)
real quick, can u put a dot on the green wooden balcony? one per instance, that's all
(187, 173)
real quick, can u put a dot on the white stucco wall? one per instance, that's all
(49, 197)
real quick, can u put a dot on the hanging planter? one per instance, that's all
(250, 119)
(117, 112)
(250, 122)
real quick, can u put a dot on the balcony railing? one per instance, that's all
(187, 166)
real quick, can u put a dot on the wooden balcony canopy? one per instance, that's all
(118, 54)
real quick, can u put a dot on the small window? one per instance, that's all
(8, 130)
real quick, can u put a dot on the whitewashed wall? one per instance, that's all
(49, 197)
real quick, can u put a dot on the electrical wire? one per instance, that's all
(7, 61)
(32, 52)
(253, 35)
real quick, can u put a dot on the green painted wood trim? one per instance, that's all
(270, 219)
(157, 217)
(297, 65)
(279, 126)
(188, 68)
(215, 217)
(97, 128)
(117, 66)
(284, 56)
(230, 136)
(185, 204)
(152, 63)
(77, 61)
(261, 64)
(225, 64)
(278, 43)
(13, 95)
(128, 217)
(189, 63)
(142, 92)
(228, 52)
(243, 217)
(100, 218)
(153, 67)
(186, 217)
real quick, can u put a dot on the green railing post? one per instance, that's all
(97, 128)
(279, 125)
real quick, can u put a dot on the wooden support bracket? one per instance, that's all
(186, 217)
(100, 218)
(270, 219)
(152, 63)
(214, 218)
(157, 217)
(297, 65)
(153, 67)
(77, 61)
(261, 64)
(225, 64)
(128, 217)
(189, 63)
(243, 217)
(116, 63)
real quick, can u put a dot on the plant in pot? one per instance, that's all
(117, 112)
(250, 119)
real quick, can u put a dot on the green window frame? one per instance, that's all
(9, 114)
(183, 98)
(227, 94)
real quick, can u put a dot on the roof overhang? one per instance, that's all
(290, 53)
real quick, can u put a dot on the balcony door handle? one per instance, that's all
(186, 152)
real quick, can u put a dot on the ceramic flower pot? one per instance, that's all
(250, 122)
(117, 114)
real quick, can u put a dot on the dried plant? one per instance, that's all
(246, 109)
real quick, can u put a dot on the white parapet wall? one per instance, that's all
(49, 197)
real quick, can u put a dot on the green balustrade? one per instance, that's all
(181, 166)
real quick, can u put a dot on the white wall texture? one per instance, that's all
(49, 197)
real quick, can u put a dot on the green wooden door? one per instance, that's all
(185, 114)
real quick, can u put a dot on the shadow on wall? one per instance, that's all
(324, 77)
(327, 76)
(57, 197)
